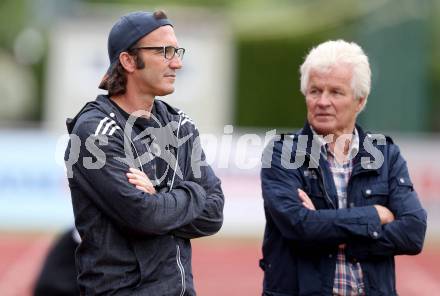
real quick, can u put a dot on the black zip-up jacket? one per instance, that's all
(135, 243)
(300, 245)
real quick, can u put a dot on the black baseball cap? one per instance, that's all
(127, 31)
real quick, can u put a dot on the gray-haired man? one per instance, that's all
(339, 202)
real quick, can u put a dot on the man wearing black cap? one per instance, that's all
(139, 182)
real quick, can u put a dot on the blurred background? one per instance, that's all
(240, 83)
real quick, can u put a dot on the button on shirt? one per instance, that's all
(348, 275)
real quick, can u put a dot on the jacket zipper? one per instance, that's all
(182, 270)
(177, 152)
(178, 259)
(321, 175)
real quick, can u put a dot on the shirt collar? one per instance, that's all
(354, 144)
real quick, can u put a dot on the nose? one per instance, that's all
(176, 62)
(324, 99)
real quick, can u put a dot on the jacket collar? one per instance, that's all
(354, 144)
(161, 110)
(361, 161)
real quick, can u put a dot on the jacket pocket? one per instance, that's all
(152, 256)
(376, 193)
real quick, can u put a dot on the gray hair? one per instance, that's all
(331, 53)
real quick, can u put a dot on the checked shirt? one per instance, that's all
(348, 276)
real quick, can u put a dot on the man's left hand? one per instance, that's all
(141, 181)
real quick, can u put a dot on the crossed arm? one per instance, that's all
(143, 212)
(385, 215)
(207, 223)
(368, 231)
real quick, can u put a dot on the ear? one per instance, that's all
(127, 61)
(360, 104)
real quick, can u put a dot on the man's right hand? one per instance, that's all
(385, 215)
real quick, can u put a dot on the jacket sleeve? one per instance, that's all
(306, 227)
(211, 219)
(406, 234)
(101, 173)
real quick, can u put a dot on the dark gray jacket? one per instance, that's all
(134, 243)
